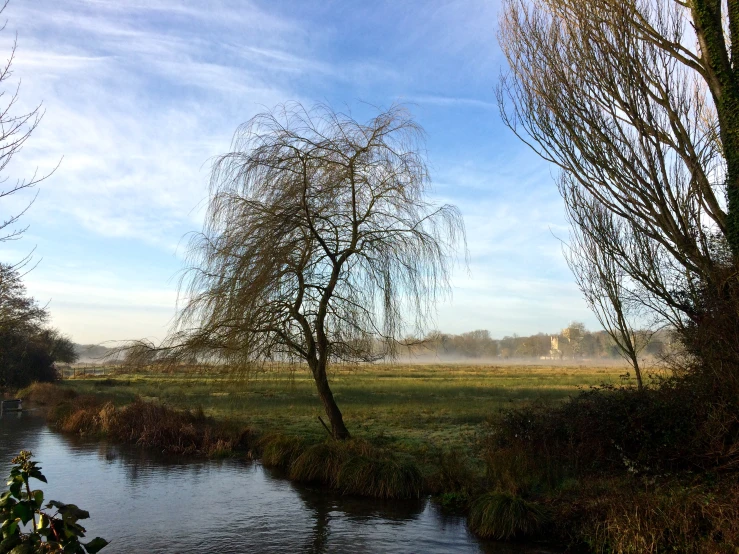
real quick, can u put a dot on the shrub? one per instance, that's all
(148, 424)
(670, 517)
(46, 394)
(455, 479)
(674, 426)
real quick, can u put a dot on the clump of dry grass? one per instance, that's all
(380, 477)
(151, 425)
(671, 517)
(46, 394)
(319, 463)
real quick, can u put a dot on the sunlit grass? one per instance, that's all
(443, 404)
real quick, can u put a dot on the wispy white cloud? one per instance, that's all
(450, 101)
(139, 95)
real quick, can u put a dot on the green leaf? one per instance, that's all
(38, 496)
(72, 513)
(36, 474)
(15, 488)
(95, 545)
(23, 511)
(74, 529)
(73, 548)
(12, 528)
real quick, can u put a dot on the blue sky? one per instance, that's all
(139, 95)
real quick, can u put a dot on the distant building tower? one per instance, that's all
(554, 352)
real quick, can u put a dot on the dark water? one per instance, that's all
(144, 502)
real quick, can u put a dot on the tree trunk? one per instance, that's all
(637, 372)
(723, 82)
(338, 429)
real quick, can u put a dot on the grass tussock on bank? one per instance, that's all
(46, 394)
(504, 516)
(352, 467)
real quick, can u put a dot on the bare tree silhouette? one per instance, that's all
(320, 244)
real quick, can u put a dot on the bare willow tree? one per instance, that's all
(637, 102)
(15, 130)
(320, 244)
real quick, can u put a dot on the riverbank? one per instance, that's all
(422, 430)
(144, 501)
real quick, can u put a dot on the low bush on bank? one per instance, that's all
(147, 424)
(624, 470)
(675, 426)
(628, 516)
(456, 477)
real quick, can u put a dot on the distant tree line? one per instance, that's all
(574, 341)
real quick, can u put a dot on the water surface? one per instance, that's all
(142, 501)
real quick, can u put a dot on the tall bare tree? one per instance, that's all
(637, 103)
(15, 129)
(603, 282)
(320, 243)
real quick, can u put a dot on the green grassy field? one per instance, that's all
(444, 405)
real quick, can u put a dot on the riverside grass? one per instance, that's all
(410, 406)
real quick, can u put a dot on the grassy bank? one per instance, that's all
(521, 450)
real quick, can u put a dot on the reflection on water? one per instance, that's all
(145, 502)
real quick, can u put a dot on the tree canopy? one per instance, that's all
(28, 347)
(637, 102)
